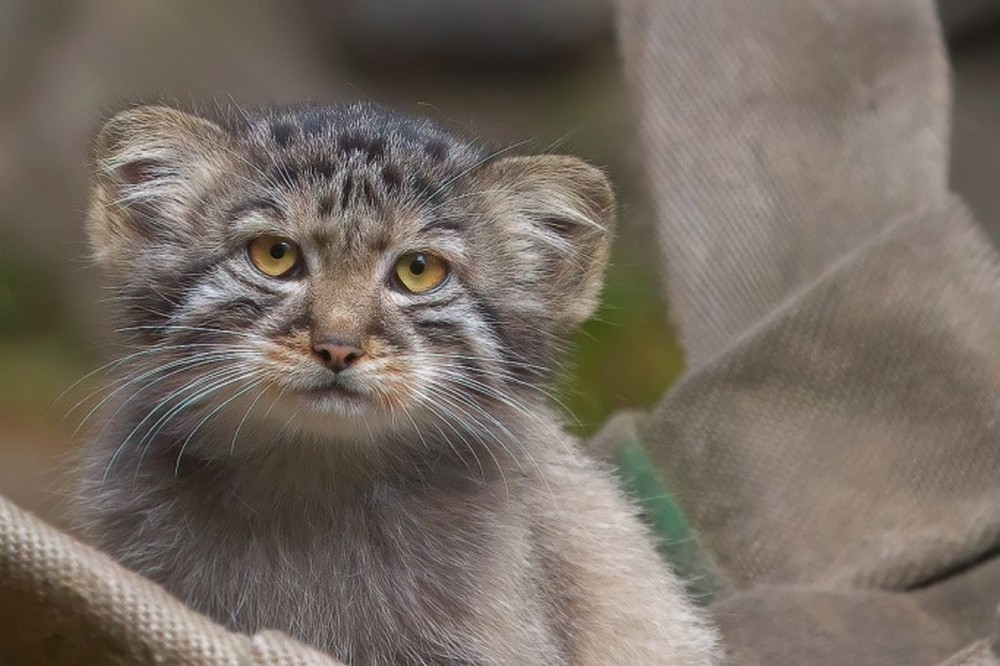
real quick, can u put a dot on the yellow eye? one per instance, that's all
(273, 255)
(420, 272)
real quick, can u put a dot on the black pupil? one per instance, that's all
(278, 250)
(418, 265)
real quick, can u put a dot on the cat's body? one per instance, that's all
(334, 423)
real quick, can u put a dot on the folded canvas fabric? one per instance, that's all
(835, 443)
(62, 602)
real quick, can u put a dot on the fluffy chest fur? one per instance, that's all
(396, 571)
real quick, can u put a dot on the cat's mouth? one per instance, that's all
(335, 389)
(337, 396)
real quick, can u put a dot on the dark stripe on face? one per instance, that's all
(420, 185)
(282, 133)
(146, 307)
(381, 242)
(392, 177)
(286, 174)
(436, 149)
(325, 206)
(321, 170)
(371, 195)
(354, 142)
(491, 318)
(153, 301)
(445, 224)
(376, 150)
(439, 330)
(234, 314)
(250, 283)
(371, 198)
(345, 191)
(469, 364)
(262, 204)
(439, 302)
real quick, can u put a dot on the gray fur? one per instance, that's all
(421, 507)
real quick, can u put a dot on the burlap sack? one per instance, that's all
(62, 602)
(835, 444)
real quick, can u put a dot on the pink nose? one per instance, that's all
(337, 355)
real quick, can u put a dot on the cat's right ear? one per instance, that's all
(151, 163)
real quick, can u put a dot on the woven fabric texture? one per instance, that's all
(62, 602)
(834, 442)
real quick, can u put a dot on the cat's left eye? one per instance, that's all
(274, 256)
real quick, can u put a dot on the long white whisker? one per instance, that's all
(236, 433)
(211, 377)
(428, 404)
(178, 327)
(459, 396)
(216, 380)
(218, 408)
(469, 425)
(175, 367)
(220, 380)
(111, 365)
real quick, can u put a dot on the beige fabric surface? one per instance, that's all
(835, 442)
(62, 602)
(779, 135)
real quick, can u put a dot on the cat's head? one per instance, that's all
(353, 264)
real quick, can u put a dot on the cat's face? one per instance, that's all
(343, 271)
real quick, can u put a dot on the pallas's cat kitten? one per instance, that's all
(333, 419)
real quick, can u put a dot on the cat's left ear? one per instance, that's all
(565, 209)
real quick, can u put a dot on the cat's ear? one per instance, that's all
(565, 209)
(151, 163)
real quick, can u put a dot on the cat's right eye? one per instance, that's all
(274, 256)
(420, 272)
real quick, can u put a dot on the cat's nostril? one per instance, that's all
(336, 355)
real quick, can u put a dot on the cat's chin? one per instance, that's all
(337, 401)
(335, 414)
(328, 416)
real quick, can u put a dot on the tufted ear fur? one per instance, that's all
(151, 164)
(565, 209)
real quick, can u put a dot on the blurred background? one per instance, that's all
(503, 71)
